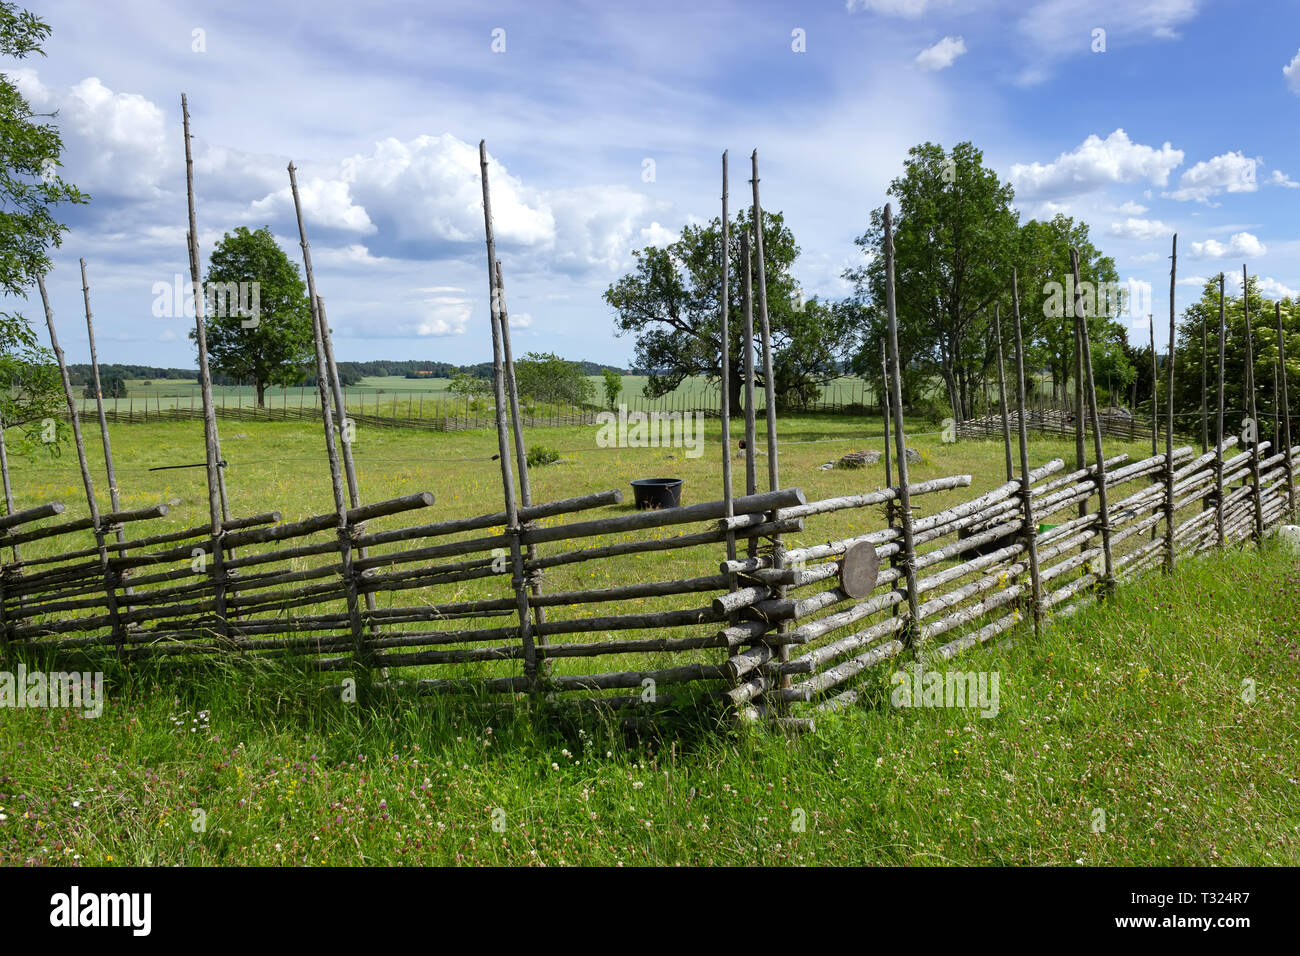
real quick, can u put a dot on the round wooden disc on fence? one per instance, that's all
(858, 570)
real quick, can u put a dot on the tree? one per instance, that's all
(267, 337)
(31, 393)
(545, 377)
(613, 383)
(469, 387)
(112, 385)
(954, 238)
(670, 303)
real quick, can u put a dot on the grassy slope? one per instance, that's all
(1135, 708)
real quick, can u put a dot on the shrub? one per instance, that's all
(541, 455)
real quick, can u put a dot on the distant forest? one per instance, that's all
(350, 372)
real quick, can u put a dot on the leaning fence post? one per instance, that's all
(725, 389)
(751, 428)
(1169, 421)
(513, 528)
(1026, 497)
(912, 635)
(1252, 410)
(1002, 390)
(110, 580)
(1103, 510)
(1286, 414)
(1218, 434)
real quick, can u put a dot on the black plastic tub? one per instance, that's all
(657, 493)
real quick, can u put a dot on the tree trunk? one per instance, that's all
(261, 394)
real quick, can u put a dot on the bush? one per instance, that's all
(541, 455)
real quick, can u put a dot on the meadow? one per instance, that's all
(1134, 708)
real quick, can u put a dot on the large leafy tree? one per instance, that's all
(30, 191)
(545, 377)
(274, 344)
(670, 302)
(955, 237)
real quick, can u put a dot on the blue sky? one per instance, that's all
(1185, 122)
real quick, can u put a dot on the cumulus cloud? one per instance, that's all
(1292, 73)
(1279, 178)
(894, 8)
(324, 203)
(1240, 245)
(1232, 173)
(1131, 208)
(942, 55)
(117, 142)
(1132, 228)
(1096, 163)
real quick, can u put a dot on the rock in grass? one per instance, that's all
(859, 459)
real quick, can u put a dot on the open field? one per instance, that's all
(1134, 709)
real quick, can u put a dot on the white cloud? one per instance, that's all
(1131, 208)
(893, 8)
(1266, 286)
(942, 55)
(326, 203)
(1140, 229)
(1232, 172)
(1241, 244)
(1096, 163)
(1292, 73)
(1279, 178)
(117, 141)
(520, 320)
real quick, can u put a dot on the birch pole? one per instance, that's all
(725, 405)
(521, 459)
(908, 560)
(1251, 410)
(1026, 497)
(1103, 510)
(1002, 390)
(1218, 433)
(1169, 422)
(113, 496)
(1205, 400)
(217, 509)
(751, 470)
(513, 528)
(1286, 415)
(884, 405)
(769, 395)
(110, 584)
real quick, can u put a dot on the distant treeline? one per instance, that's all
(351, 373)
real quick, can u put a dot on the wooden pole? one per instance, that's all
(769, 396)
(912, 628)
(1080, 455)
(1026, 496)
(751, 470)
(1169, 422)
(1251, 410)
(769, 385)
(113, 495)
(1205, 399)
(1218, 433)
(1002, 391)
(1155, 390)
(1103, 515)
(110, 577)
(725, 325)
(521, 457)
(217, 509)
(503, 443)
(1286, 415)
(884, 407)
(9, 493)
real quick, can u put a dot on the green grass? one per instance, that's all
(1135, 709)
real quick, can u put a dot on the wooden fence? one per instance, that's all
(735, 615)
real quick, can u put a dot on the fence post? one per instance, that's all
(1218, 434)
(1286, 415)
(1103, 510)
(1002, 389)
(1026, 498)
(912, 635)
(1252, 410)
(1169, 422)
(513, 528)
